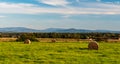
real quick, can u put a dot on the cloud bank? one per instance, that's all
(54, 2)
(27, 8)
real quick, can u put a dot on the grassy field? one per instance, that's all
(58, 53)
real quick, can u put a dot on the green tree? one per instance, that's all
(25, 36)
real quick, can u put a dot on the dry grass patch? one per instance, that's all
(7, 39)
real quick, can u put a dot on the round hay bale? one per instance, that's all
(27, 41)
(93, 45)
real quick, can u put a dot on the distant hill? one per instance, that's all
(61, 30)
(72, 30)
(17, 29)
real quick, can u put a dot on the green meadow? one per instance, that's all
(58, 53)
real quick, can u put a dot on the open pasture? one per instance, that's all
(58, 53)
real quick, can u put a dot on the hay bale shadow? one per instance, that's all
(83, 48)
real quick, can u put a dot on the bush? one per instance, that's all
(25, 36)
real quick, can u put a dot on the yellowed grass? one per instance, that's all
(7, 39)
(61, 40)
(57, 40)
(113, 40)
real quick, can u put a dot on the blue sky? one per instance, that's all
(79, 14)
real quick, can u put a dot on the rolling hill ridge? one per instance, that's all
(61, 30)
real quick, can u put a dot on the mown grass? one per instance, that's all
(58, 53)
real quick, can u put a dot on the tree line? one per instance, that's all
(96, 36)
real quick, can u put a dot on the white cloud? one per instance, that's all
(95, 8)
(55, 2)
(66, 16)
(11, 5)
(16, 8)
(2, 16)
